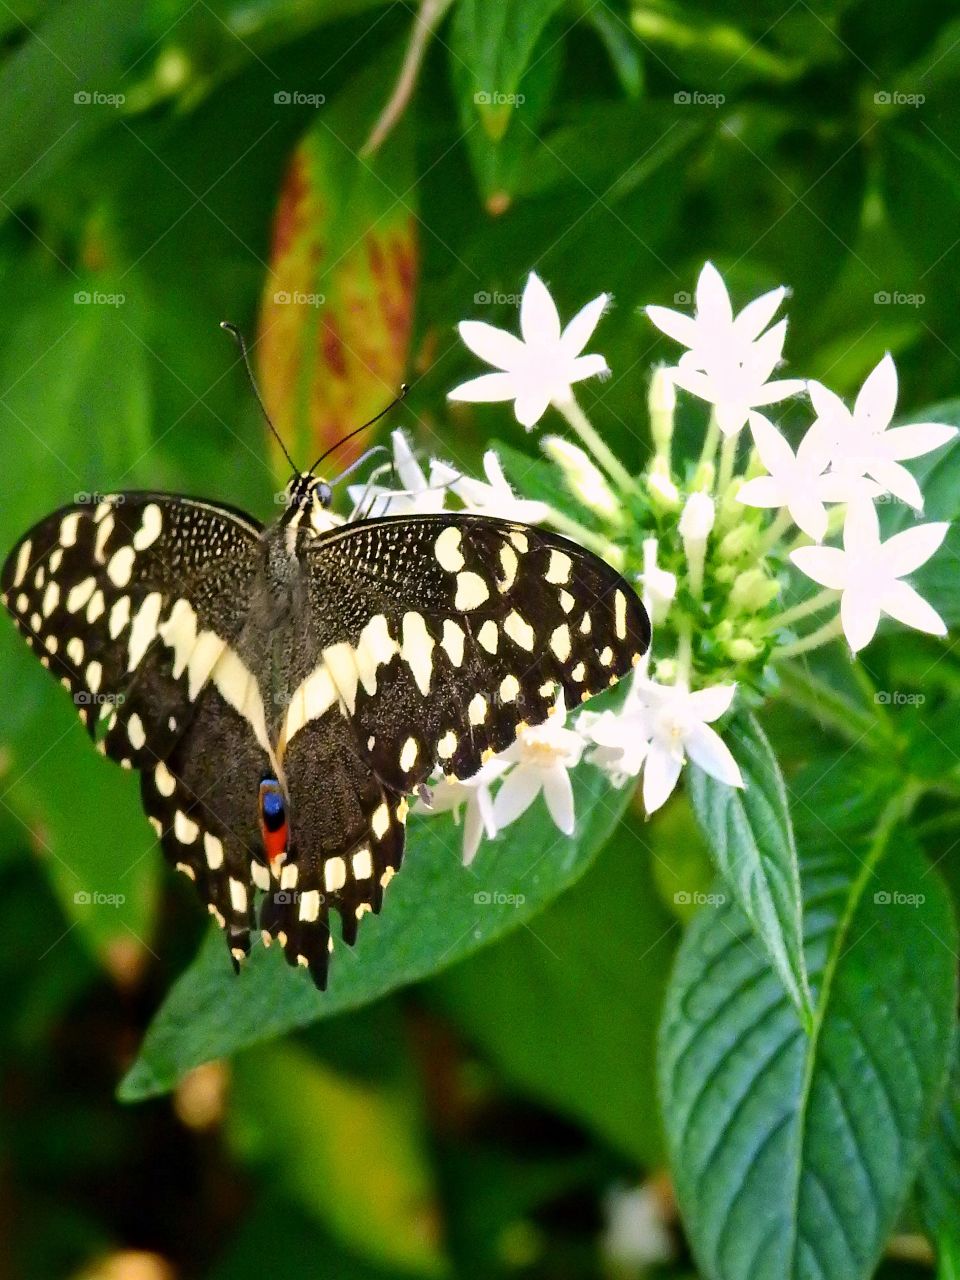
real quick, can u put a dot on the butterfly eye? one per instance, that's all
(324, 494)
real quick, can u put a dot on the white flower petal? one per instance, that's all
(676, 325)
(827, 404)
(713, 301)
(692, 380)
(775, 454)
(711, 703)
(915, 440)
(587, 367)
(902, 602)
(877, 398)
(473, 833)
(756, 315)
(496, 346)
(731, 416)
(558, 793)
(405, 462)
(517, 793)
(779, 389)
(539, 318)
(767, 351)
(762, 491)
(809, 514)
(814, 450)
(531, 406)
(908, 550)
(826, 565)
(896, 479)
(578, 332)
(706, 748)
(486, 388)
(660, 773)
(861, 529)
(860, 616)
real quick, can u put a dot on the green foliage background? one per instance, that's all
(480, 1075)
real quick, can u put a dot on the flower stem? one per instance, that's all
(710, 442)
(684, 652)
(728, 458)
(774, 532)
(803, 610)
(823, 635)
(580, 533)
(595, 443)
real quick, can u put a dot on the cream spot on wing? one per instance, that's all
(40, 577)
(23, 602)
(334, 874)
(586, 626)
(56, 559)
(51, 644)
(144, 629)
(165, 781)
(380, 822)
(566, 601)
(184, 828)
(36, 622)
(104, 531)
(75, 650)
(157, 825)
(204, 657)
(375, 648)
(78, 595)
(620, 615)
(120, 566)
(519, 631)
(560, 642)
(509, 564)
(213, 848)
(189, 872)
(51, 598)
(22, 562)
(94, 676)
(447, 745)
(310, 905)
(238, 687)
(408, 755)
(452, 641)
(388, 874)
(558, 570)
(402, 809)
(289, 876)
(178, 632)
(488, 636)
(150, 526)
(579, 673)
(119, 616)
(520, 541)
(447, 550)
(68, 529)
(471, 591)
(509, 688)
(238, 896)
(362, 864)
(477, 710)
(342, 666)
(260, 876)
(136, 732)
(96, 607)
(417, 650)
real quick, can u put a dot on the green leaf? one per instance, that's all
(751, 836)
(348, 1151)
(938, 1185)
(337, 307)
(492, 44)
(792, 1154)
(607, 943)
(437, 912)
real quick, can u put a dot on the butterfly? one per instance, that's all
(283, 690)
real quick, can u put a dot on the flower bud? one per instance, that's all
(584, 478)
(697, 518)
(662, 404)
(753, 591)
(740, 649)
(664, 494)
(739, 541)
(659, 585)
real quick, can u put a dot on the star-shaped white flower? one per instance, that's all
(539, 368)
(658, 728)
(869, 574)
(730, 359)
(474, 796)
(415, 494)
(543, 755)
(490, 497)
(798, 481)
(863, 443)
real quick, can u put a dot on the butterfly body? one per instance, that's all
(282, 690)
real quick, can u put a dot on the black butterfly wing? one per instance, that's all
(438, 637)
(134, 604)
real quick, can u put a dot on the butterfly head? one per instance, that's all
(308, 500)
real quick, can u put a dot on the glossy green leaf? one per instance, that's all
(751, 836)
(350, 1152)
(938, 1185)
(337, 306)
(437, 912)
(792, 1154)
(606, 944)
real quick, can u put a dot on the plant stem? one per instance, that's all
(684, 652)
(803, 610)
(710, 442)
(595, 443)
(728, 458)
(580, 533)
(823, 635)
(774, 532)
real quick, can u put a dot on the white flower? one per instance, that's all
(474, 794)
(800, 482)
(730, 358)
(868, 572)
(543, 755)
(659, 585)
(492, 497)
(539, 368)
(696, 519)
(661, 725)
(416, 496)
(864, 444)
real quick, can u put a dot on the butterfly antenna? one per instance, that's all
(356, 430)
(239, 339)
